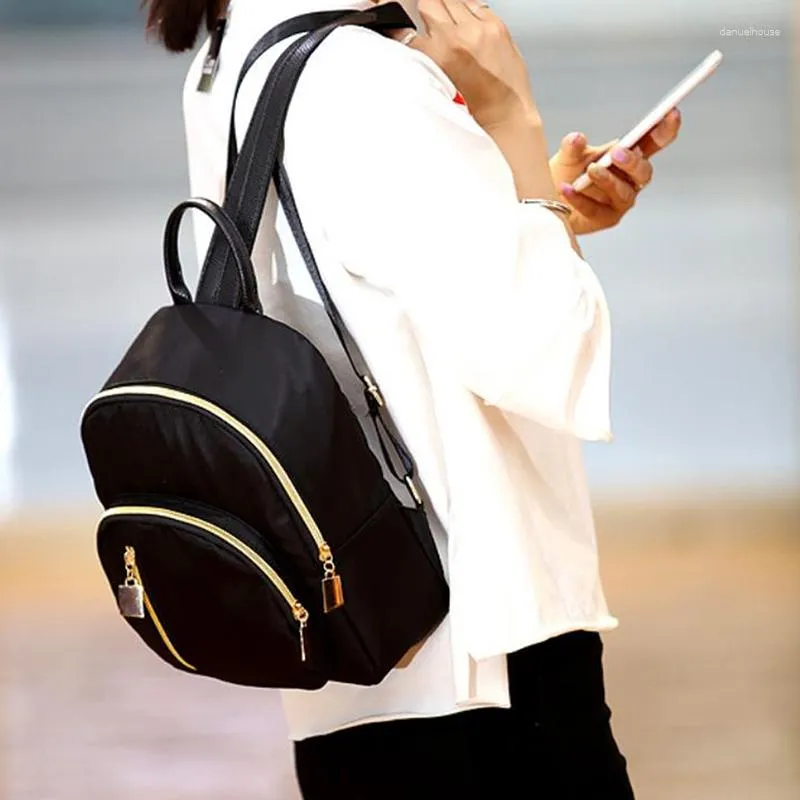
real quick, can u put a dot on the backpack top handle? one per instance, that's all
(225, 225)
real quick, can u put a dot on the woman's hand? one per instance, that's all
(475, 49)
(614, 191)
(473, 46)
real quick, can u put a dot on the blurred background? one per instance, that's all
(697, 499)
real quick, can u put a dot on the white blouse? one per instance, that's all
(488, 335)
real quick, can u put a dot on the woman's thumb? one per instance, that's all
(573, 149)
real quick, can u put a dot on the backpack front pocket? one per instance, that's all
(142, 408)
(202, 591)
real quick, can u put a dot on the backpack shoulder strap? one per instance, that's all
(250, 180)
(387, 438)
(388, 17)
(290, 27)
(259, 162)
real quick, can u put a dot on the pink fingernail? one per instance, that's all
(620, 156)
(574, 138)
(566, 189)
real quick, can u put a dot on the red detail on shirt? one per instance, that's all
(460, 99)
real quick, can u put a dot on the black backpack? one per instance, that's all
(249, 534)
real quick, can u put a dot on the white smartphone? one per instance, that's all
(660, 110)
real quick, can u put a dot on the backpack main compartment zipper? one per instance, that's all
(332, 591)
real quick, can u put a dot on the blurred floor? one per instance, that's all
(703, 674)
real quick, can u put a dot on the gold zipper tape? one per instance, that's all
(175, 516)
(157, 623)
(231, 421)
(333, 600)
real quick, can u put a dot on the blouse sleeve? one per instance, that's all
(417, 199)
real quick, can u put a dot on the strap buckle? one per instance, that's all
(413, 490)
(373, 391)
(211, 62)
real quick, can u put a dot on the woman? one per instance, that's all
(489, 335)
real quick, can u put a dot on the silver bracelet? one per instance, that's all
(555, 206)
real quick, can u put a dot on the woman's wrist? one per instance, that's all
(522, 140)
(520, 114)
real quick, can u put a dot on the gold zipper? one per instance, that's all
(332, 593)
(298, 611)
(133, 582)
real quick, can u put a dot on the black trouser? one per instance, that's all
(555, 743)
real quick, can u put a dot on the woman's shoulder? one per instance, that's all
(355, 69)
(361, 64)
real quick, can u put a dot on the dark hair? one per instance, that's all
(176, 23)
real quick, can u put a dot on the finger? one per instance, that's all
(621, 194)
(573, 149)
(663, 135)
(434, 14)
(416, 40)
(595, 152)
(480, 10)
(436, 20)
(599, 213)
(404, 35)
(596, 194)
(469, 12)
(458, 11)
(632, 165)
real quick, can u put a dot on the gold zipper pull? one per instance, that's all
(332, 590)
(302, 641)
(130, 595)
(301, 615)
